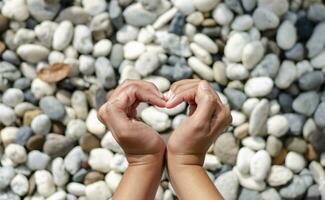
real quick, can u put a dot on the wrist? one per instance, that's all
(179, 160)
(152, 160)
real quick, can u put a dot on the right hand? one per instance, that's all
(208, 117)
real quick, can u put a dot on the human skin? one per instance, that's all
(145, 149)
(189, 143)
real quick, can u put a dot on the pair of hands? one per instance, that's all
(188, 143)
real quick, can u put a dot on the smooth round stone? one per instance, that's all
(277, 125)
(222, 14)
(44, 182)
(40, 88)
(97, 162)
(295, 161)
(200, 68)
(311, 80)
(42, 10)
(173, 111)
(228, 185)
(82, 39)
(318, 61)
(109, 142)
(19, 185)
(238, 118)
(265, 19)
(57, 145)
(269, 66)
(89, 142)
(37, 160)
(16, 153)
(60, 175)
(235, 97)
(242, 23)
(236, 72)
(249, 182)
(286, 35)
(94, 7)
(156, 119)
(306, 103)
(64, 28)
(98, 190)
(295, 122)
(93, 177)
(273, 146)
(102, 48)
(12, 97)
(8, 135)
(235, 45)
(52, 108)
(147, 63)
(132, 50)
(201, 53)
(253, 52)
(16, 9)
(319, 115)
(105, 73)
(296, 52)
(35, 142)
(248, 194)
(219, 73)
(249, 105)
(258, 87)
(160, 82)
(297, 145)
(77, 189)
(243, 159)
(205, 42)
(86, 64)
(127, 34)
(73, 160)
(113, 180)
(79, 176)
(205, 5)
(286, 75)
(23, 134)
(226, 149)
(279, 176)
(32, 53)
(136, 15)
(295, 189)
(94, 125)
(260, 165)
(41, 124)
(76, 128)
(211, 162)
(185, 6)
(279, 7)
(6, 175)
(258, 118)
(7, 115)
(254, 143)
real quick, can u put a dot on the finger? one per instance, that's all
(177, 84)
(187, 95)
(207, 102)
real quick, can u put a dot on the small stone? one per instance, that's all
(109, 142)
(57, 145)
(255, 143)
(113, 180)
(40, 88)
(44, 182)
(160, 82)
(205, 5)
(249, 182)
(260, 165)
(296, 52)
(306, 103)
(286, 35)
(286, 75)
(219, 73)
(43, 10)
(258, 118)
(52, 108)
(54, 73)
(258, 87)
(6, 175)
(94, 125)
(23, 134)
(73, 159)
(265, 19)
(105, 73)
(76, 189)
(76, 128)
(19, 184)
(94, 7)
(136, 15)
(277, 125)
(89, 142)
(97, 163)
(311, 80)
(236, 98)
(279, 7)
(147, 63)
(98, 190)
(235, 45)
(313, 193)
(273, 146)
(249, 194)
(74, 14)
(16, 153)
(35, 142)
(226, 149)
(32, 53)
(93, 177)
(222, 14)
(205, 42)
(316, 42)
(242, 23)
(297, 145)
(37, 160)
(228, 185)
(41, 124)
(269, 194)
(60, 175)
(319, 115)
(253, 52)
(243, 159)
(16, 10)
(294, 190)
(237, 72)
(155, 118)
(7, 115)
(295, 122)
(279, 176)
(64, 28)
(294, 161)
(317, 171)
(102, 48)
(12, 97)
(132, 50)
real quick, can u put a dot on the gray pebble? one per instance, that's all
(296, 122)
(235, 97)
(320, 115)
(105, 73)
(6, 175)
(37, 160)
(23, 134)
(41, 124)
(57, 145)
(53, 108)
(246, 194)
(294, 190)
(306, 103)
(311, 80)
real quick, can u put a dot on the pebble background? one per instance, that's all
(265, 58)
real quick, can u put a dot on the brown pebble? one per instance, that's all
(85, 165)
(93, 177)
(55, 73)
(4, 22)
(311, 153)
(58, 128)
(280, 158)
(30, 115)
(209, 23)
(89, 142)
(2, 47)
(35, 142)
